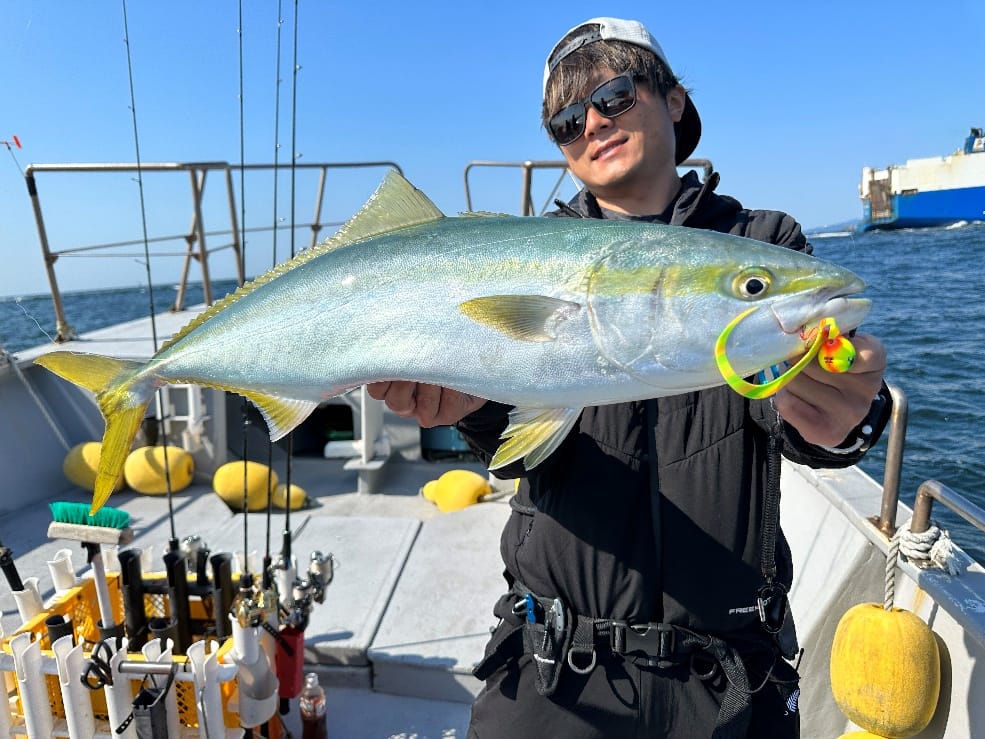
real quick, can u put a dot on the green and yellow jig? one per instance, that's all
(834, 353)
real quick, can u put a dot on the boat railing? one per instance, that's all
(527, 169)
(927, 493)
(198, 241)
(931, 490)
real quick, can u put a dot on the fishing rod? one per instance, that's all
(174, 561)
(13, 142)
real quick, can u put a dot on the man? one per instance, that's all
(647, 574)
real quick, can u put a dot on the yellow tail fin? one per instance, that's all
(122, 396)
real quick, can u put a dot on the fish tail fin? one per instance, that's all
(121, 399)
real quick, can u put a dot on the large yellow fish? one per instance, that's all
(547, 314)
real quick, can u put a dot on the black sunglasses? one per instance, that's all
(612, 98)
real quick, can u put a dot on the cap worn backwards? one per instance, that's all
(688, 129)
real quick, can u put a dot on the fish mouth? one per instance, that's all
(794, 316)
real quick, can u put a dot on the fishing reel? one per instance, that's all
(321, 572)
(307, 591)
(253, 606)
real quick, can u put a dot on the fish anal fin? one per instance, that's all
(522, 317)
(533, 434)
(282, 415)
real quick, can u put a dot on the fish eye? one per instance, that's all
(752, 284)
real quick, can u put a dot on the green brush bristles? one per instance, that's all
(78, 513)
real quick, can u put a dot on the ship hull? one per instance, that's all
(929, 209)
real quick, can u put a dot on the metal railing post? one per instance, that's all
(319, 199)
(200, 232)
(932, 490)
(886, 522)
(63, 330)
(239, 249)
(190, 238)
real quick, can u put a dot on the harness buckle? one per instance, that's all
(655, 641)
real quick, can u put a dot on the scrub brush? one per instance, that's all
(109, 526)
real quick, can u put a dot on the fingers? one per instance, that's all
(430, 405)
(399, 396)
(823, 406)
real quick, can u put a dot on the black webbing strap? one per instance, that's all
(664, 645)
(506, 644)
(653, 645)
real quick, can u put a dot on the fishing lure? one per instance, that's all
(833, 351)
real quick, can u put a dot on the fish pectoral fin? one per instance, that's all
(282, 415)
(533, 434)
(523, 317)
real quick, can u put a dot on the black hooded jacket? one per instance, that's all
(582, 524)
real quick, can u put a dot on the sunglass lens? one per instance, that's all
(568, 123)
(615, 97)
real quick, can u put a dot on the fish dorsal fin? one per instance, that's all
(396, 204)
(533, 434)
(523, 317)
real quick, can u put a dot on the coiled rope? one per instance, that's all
(930, 548)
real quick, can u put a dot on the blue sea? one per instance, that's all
(926, 287)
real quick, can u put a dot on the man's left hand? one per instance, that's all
(825, 406)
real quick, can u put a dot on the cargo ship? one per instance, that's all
(933, 191)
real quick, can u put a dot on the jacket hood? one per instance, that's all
(697, 204)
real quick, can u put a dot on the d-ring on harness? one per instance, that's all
(835, 354)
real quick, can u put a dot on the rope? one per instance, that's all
(930, 548)
(891, 558)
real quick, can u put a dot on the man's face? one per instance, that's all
(622, 156)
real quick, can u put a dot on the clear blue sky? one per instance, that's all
(796, 98)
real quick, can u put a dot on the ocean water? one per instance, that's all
(926, 287)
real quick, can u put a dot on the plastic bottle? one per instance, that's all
(313, 709)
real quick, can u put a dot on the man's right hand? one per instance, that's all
(431, 405)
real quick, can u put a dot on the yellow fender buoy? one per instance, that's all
(429, 490)
(81, 463)
(228, 484)
(298, 496)
(885, 670)
(144, 469)
(456, 489)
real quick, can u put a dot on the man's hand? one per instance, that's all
(431, 405)
(824, 406)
